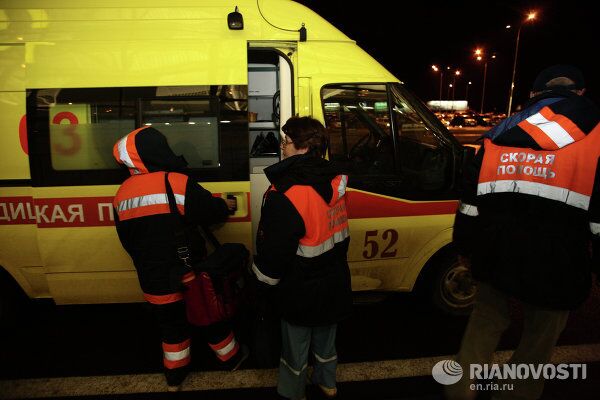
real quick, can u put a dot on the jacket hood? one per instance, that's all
(550, 121)
(325, 177)
(146, 150)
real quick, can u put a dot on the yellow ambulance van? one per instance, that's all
(76, 75)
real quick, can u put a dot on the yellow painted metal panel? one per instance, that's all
(417, 236)
(335, 62)
(148, 63)
(59, 20)
(98, 287)
(36, 278)
(12, 68)
(304, 98)
(14, 163)
(18, 247)
(70, 250)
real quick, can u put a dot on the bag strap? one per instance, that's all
(180, 236)
(181, 241)
(209, 235)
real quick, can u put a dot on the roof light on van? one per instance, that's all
(235, 20)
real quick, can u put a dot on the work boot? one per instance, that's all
(175, 378)
(329, 393)
(173, 388)
(234, 362)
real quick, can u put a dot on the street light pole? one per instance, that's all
(441, 80)
(480, 56)
(530, 17)
(512, 81)
(436, 69)
(483, 89)
(467, 92)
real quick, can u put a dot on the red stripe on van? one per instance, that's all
(66, 212)
(17, 210)
(74, 212)
(364, 205)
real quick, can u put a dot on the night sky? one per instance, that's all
(407, 37)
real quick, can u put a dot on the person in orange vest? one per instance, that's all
(528, 224)
(302, 242)
(145, 227)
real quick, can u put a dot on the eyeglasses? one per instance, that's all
(285, 140)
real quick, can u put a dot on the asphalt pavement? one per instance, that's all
(119, 342)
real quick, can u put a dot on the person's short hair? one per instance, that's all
(561, 76)
(307, 132)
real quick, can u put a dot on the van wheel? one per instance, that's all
(453, 288)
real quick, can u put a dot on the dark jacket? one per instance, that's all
(530, 213)
(143, 220)
(311, 273)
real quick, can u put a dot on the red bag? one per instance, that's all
(203, 305)
(215, 293)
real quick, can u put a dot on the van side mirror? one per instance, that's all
(468, 154)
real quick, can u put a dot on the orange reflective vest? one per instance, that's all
(325, 224)
(144, 195)
(565, 175)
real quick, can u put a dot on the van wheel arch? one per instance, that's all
(447, 283)
(12, 299)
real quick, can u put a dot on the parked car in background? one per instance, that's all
(492, 119)
(464, 119)
(471, 119)
(444, 117)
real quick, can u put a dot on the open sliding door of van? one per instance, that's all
(271, 88)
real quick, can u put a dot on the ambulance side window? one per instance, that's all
(72, 131)
(424, 158)
(358, 121)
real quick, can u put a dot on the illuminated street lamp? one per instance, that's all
(480, 56)
(436, 69)
(530, 17)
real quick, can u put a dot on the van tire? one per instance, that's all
(12, 300)
(452, 288)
